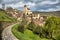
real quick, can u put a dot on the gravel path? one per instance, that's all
(7, 34)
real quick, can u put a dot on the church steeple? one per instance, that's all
(27, 10)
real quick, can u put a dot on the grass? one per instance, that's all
(31, 35)
(5, 17)
(27, 35)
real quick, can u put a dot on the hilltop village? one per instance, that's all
(28, 24)
(37, 18)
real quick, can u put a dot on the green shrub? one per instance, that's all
(56, 34)
(40, 31)
(31, 35)
(31, 26)
(58, 37)
(21, 28)
(52, 23)
(27, 35)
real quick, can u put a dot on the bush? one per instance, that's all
(21, 28)
(40, 31)
(27, 35)
(31, 26)
(58, 37)
(56, 34)
(52, 23)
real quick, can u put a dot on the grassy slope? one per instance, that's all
(4, 16)
(24, 36)
(28, 35)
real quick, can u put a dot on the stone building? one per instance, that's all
(36, 16)
(38, 19)
(26, 10)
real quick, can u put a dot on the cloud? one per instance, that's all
(0, 1)
(20, 4)
(47, 5)
(51, 9)
(0, 6)
(49, 2)
(10, 1)
(34, 5)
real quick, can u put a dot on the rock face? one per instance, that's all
(7, 34)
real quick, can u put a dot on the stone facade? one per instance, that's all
(26, 10)
(38, 19)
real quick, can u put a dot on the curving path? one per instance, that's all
(7, 34)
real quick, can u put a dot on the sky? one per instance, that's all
(34, 5)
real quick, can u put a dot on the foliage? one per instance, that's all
(51, 30)
(22, 26)
(51, 24)
(28, 35)
(10, 8)
(5, 17)
(31, 35)
(56, 34)
(39, 30)
(31, 26)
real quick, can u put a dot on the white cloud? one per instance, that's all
(10, 1)
(51, 9)
(49, 2)
(20, 4)
(30, 4)
(0, 6)
(40, 5)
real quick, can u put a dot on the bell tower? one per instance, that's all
(25, 9)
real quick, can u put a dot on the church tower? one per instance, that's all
(27, 11)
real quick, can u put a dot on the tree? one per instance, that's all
(22, 26)
(51, 24)
(31, 26)
(39, 30)
(9, 8)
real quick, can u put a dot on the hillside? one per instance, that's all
(56, 13)
(4, 16)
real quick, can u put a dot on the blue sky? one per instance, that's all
(34, 5)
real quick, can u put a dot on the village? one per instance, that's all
(37, 18)
(26, 24)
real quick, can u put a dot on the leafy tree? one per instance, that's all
(56, 34)
(31, 26)
(51, 24)
(22, 26)
(9, 8)
(40, 31)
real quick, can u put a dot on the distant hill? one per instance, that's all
(4, 16)
(55, 13)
